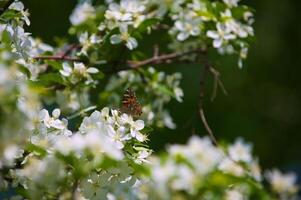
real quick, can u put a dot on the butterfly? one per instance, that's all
(130, 104)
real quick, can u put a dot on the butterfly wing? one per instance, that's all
(130, 104)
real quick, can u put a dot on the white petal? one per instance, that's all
(182, 36)
(92, 70)
(17, 6)
(212, 34)
(123, 28)
(64, 73)
(217, 43)
(66, 67)
(133, 133)
(115, 39)
(58, 124)
(56, 113)
(139, 124)
(229, 37)
(140, 137)
(126, 17)
(44, 114)
(180, 25)
(132, 43)
(119, 145)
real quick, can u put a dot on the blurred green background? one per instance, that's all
(264, 101)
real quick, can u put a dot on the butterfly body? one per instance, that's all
(130, 104)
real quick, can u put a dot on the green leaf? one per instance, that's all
(55, 64)
(11, 14)
(36, 149)
(165, 90)
(147, 23)
(51, 78)
(6, 39)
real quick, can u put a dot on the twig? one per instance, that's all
(163, 58)
(69, 49)
(6, 6)
(66, 58)
(201, 102)
(81, 112)
(217, 82)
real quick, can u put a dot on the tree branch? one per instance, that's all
(164, 58)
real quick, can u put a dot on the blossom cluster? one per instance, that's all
(226, 25)
(99, 156)
(200, 170)
(160, 87)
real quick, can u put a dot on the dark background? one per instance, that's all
(264, 101)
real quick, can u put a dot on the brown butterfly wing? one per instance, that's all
(130, 104)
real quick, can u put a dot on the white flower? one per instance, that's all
(78, 72)
(10, 153)
(161, 172)
(52, 122)
(231, 3)
(228, 166)
(282, 183)
(98, 142)
(118, 137)
(200, 152)
(135, 127)
(234, 195)
(142, 155)
(179, 94)
(130, 42)
(81, 13)
(187, 27)
(240, 151)
(255, 170)
(236, 27)
(221, 36)
(128, 11)
(19, 6)
(185, 179)
(87, 41)
(167, 120)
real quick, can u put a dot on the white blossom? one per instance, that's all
(19, 6)
(130, 42)
(231, 3)
(221, 36)
(229, 166)
(81, 13)
(187, 27)
(282, 183)
(234, 194)
(78, 72)
(128, 11)
(52, 122)
(240, 151)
